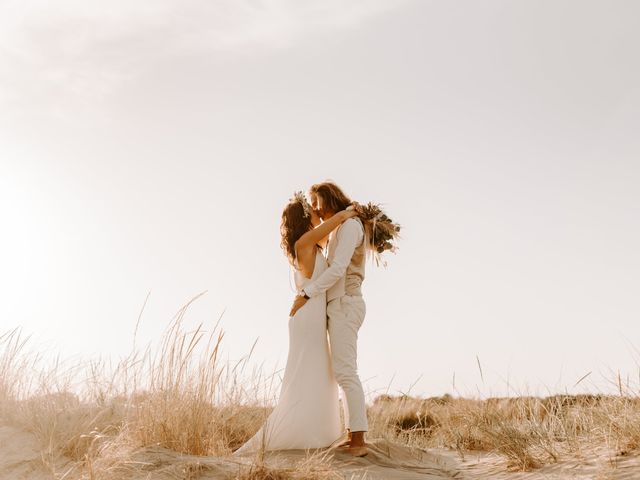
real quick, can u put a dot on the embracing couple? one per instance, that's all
(328, 299)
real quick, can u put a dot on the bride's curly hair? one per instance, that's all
(295, 222)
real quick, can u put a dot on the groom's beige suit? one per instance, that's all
(345, 311)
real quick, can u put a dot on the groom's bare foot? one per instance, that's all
(358, 451)
(357, 448)
(346, 442)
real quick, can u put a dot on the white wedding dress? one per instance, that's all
(308, 412)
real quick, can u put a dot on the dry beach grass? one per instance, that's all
(178, 411)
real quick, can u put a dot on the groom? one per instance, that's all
(345, 306)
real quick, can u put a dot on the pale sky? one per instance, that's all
(151, 146)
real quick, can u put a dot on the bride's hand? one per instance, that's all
(298, 302)
(346, 214)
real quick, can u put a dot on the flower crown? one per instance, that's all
(299, 197)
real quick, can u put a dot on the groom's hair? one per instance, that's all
(333, 198)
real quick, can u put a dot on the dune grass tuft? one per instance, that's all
(181, 399)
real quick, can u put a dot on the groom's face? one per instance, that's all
(316, 205)
(315, 218)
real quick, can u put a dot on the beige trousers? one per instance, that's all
(345, 316)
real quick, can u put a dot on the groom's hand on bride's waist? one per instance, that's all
(298, 302)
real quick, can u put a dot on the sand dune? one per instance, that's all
(593, 466)
(386, 460)
(22, 458)
(117, 427)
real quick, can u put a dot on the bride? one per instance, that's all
(307, 414)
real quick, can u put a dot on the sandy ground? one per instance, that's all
(21, 458)
(592, 467)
